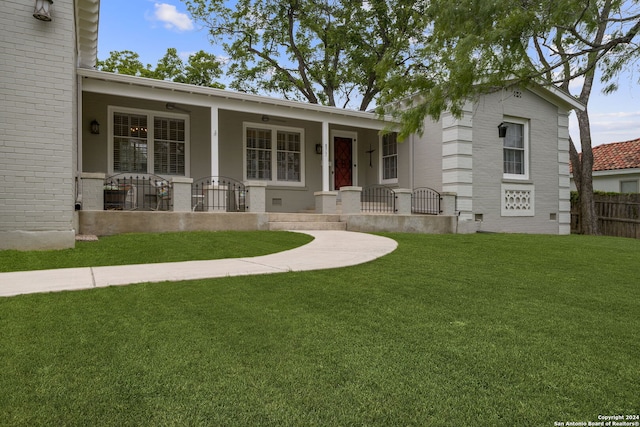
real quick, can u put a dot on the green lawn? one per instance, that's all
(156, 247)
(456, 330)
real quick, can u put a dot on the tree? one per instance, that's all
(124, 62)
(478, 46)
(332, 52)
(202, 68)
(170, 66)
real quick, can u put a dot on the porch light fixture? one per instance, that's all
(42, 10)
(502, 130)
(265, 119)
(95, 127)
(318, 148)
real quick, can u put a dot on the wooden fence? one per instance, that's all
(618, 214)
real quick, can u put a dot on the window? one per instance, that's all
(288, 156)
(629, 186)
(515, 151)
(130, 143)
(169, 146)
(390, 157)
(280, 162)
(137, 148)
(259, 154)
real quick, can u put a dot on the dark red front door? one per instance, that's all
(342, 159)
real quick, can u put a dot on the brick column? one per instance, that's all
(92, 191)
(403, 201)
(182, 194)
(448, 204)
(326, 201)
(256, 199)
(351, 203)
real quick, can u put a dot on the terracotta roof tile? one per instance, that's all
(619, 155)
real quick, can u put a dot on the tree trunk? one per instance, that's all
(583, 177)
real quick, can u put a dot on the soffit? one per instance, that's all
(87, 17)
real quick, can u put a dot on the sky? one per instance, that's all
(150, 27)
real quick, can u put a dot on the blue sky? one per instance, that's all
(149, 27)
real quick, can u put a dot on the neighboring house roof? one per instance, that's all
(618, 155)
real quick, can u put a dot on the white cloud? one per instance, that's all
(609, 127)
(172, 19)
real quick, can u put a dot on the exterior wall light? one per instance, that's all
(42, 10)
(95, 127)
(318, 148)
(502, 130)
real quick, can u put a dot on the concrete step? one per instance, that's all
(312, 210)
(303, 225)
(303, 217)
(300, 221)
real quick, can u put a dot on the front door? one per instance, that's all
(343, 156)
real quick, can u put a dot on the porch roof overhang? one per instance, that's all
(166, 91)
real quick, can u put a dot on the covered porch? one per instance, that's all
(164, 130)
(165, 147)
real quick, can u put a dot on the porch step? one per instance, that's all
(302, 221)
(313, 210)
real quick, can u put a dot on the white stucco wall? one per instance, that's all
(610, 181)
(37, 119)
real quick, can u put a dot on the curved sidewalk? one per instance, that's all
(329, 249)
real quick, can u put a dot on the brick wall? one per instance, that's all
(37, 118)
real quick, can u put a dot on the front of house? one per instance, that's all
(82, 147)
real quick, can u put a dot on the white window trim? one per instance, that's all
(112, 109)
(381, 161)
(274, 157)
(526, 143)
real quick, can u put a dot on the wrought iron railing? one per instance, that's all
(378, 198)
(218, 194)
(425, 200)
(140, 192)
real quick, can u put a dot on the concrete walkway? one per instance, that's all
(329, 249)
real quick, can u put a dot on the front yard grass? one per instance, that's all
(154, 247)
(455, 330)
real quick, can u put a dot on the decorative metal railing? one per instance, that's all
(425, 200)
(218, 194)
(378, 198)
(140, 192)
